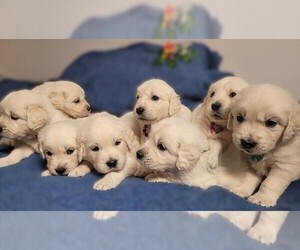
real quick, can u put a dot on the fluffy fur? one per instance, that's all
(265, 122)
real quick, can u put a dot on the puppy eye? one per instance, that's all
(232, 94)
(240, 118)
(155, 98)
(137, 97)
(270, 123)
(212, 94)
(77, 100)
(49, 153)
(95, 149)
(161, 147)
(70, 151)
(14, 117)
(118, 142)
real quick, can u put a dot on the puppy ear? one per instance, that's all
(175, 104)
(58, 99)
(131, 140)
(36, 117)
(230, 121)
(187, 157)
(81, 152)
(292, 126)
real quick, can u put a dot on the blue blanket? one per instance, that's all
(110, 79)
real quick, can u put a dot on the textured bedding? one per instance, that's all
(110, 79)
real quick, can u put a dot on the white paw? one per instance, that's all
(104, 215)
(262, 234)
(4, 163)
(263, 200)
(242, 191)
(46, 173)
(211, 161)
(78, 172)
(105, 184)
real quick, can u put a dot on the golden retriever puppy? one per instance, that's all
(212, 115)
(22, 114)
(156, 100)
(66, 96)
(173, 153)
(59, 144)
(265, 121)
(110, 146)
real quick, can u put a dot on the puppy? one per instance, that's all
(110, 147)
(212, 115)
(59, 144)
(22, 114)
(265, 122)
(156, 100)
(173, 153)
(67, 97)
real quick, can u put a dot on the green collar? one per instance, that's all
(256, 158)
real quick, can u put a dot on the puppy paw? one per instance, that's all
(46, 173)
(104, 184)
(7, 142)
(104, 215)
(211, 161)
(79, 172)
(263, 200)
(262, 234)
(4, 163)
(242, 191)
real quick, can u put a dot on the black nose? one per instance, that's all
(216, 106)
(60, 170)
(88, 108)
(0, 130)
(139, 155)
(140, 110)
(248, 144)
(112, 163)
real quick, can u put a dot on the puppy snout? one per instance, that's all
(60, 170)
(139, 155)
(216, 106)
(248, 144)
(140, 110)
(112, 163)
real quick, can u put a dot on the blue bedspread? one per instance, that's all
(110, 79)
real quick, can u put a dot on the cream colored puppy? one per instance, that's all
(265, 123)
(23, 114)
(173, 153)
(66, 96)
(110, 146)
(59, 144)
(157, 100)
(212, 115)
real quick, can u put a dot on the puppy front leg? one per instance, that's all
(272, 188)
(83, 169)
(211, 157)
(20, 152)
(110, 180)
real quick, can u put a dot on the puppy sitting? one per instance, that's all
(67, 97)
(59, 144)
(265, 121)
(110, 147)
(23, 114)
(173, 153)
(212, 115)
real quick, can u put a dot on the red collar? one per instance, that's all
(215, 128)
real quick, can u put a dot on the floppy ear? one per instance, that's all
(58, 99)
(131, 140)
(230, 121)
(36, 117)
(187, 157)
(81, 152)
(175, 104)
(293, 125)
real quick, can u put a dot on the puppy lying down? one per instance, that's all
(265, 122)
(110, 146)
(212, 115)
(59, 144)
(173, 153)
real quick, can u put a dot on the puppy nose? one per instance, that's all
(216, 106)
(88, 108)
(112, 163)
(0, 130)
(140, 110)
(139, 155)
(248, 144)
(60, 170)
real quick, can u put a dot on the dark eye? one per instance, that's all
(232, 94)
(155, 98)
(270, 123)
(161, 147)
(212, 94)
(95, 148)
(240, 118)
(14, 117)
(118, 142)
(49, 153)
(137, 97)
(70, 151)
(77, 101)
